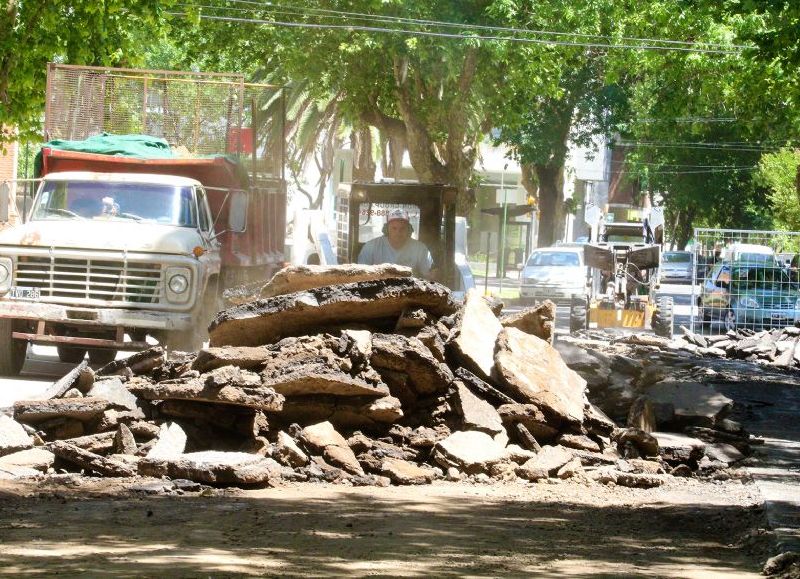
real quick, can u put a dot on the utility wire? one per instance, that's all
(440, 23)
(424, 33)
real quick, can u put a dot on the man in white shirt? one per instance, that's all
(396, 246)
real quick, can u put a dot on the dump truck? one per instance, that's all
(119, 247)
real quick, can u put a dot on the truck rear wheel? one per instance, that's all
(578, 314)
(12, 352)
(663, 318)
(101, 356)
(71, 354)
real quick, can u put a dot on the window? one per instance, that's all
(554, 258)
(104, 200)
(669, 257)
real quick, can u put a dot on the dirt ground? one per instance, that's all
(98, 527)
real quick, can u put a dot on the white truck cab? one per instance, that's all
(105, 255)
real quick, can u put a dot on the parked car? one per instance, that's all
(750, 253)
(676, 267)
(749, 295)
(555, 273)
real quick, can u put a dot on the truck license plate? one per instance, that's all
(25, 293)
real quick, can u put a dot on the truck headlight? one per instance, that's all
(178, 284)
(6, 269)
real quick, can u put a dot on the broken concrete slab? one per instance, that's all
(138, 363)
(348, 412)
(90, 461)
(115, 392)
(538, 320)
(324, 439)
(694, 403)
(476, 414)
(723, 452)
(641, 415)
(546, 462)
(244, 357)
(287, 451)
(298, 278)
(215, 467)
(543, 428)
(644, 443)
(171, 442)
(402, 472)
(578, 442)
(226, 385)
(531, 371)
(678, 448)
(83, 409)
(100, 443)
(482, 388)
(472, 340)
(39, 459)
(13, 437)
(243, 420)
(124, 442)
(265, 321)
(471, 452)
(70, 380)
(411, 357)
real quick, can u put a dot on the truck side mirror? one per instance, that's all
(5, 198)
(237, 214)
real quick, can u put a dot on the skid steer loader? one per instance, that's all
(622, 261)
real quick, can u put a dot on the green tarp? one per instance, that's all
(139, 146)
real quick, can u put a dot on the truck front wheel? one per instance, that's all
(12, 352)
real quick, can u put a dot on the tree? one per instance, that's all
(558, 96)
(425, 95)
(35, 32)
(778, 173)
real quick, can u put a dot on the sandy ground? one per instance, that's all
(98, 527)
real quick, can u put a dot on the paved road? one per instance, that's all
(770, 408)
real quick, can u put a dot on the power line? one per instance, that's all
(755, 148)
(425, 33)
(442, 23)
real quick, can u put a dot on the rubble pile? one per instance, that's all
(357, 375)
(778, 347)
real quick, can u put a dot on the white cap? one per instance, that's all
(395, 214)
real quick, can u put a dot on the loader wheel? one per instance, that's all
(578, 314)
(663, 318)
(71, 354)
(12, 352)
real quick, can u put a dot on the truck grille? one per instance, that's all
(116, 281)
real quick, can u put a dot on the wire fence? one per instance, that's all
(745, 281)
(196, 113)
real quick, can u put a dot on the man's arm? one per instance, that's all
(367, 254)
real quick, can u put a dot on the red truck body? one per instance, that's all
(256, 251)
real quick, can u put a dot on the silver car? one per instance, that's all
(677, 267)
(555, 273)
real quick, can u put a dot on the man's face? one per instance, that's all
(398, 233)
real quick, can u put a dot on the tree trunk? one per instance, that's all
(364, 164)
(684, 229)
(551, 204)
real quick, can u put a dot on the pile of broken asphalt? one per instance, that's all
(367, 376)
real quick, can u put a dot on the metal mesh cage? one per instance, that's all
(196, 113)
(745, 280)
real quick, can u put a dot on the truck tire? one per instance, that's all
(12, 352)
(71, 354)
(578, 314)
(663, 317)
(101, 356)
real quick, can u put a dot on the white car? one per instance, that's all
(554, 273)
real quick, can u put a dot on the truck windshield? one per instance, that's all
(104, 200)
